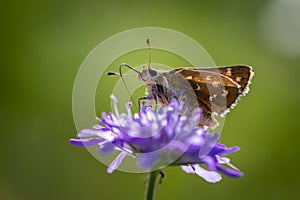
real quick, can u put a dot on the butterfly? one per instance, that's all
(215, 90)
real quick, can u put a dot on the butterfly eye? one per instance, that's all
(152, 72)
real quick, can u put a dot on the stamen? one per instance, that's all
(115, 101)
(128, 106)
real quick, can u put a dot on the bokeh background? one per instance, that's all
(43, 44)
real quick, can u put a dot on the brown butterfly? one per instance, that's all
(215, 90)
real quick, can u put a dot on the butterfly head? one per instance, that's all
(147, 75)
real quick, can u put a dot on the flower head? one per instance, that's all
(158, 138)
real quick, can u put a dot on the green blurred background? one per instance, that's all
(43, 44)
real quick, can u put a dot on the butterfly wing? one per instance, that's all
(216, 92)
(241, 74)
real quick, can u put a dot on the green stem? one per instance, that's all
(151, 185)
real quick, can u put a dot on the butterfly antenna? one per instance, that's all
(150, 53)
(117, 74)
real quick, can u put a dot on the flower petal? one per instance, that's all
(188, 169)
(86, 142)
(209, 176)
(224, 160)
(107, 147)
(116, 163)
(230, 172)
(87, 133)
(209, 142)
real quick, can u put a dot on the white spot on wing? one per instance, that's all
(212, 97)
(225, 93)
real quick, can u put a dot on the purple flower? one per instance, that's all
(160, 137)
